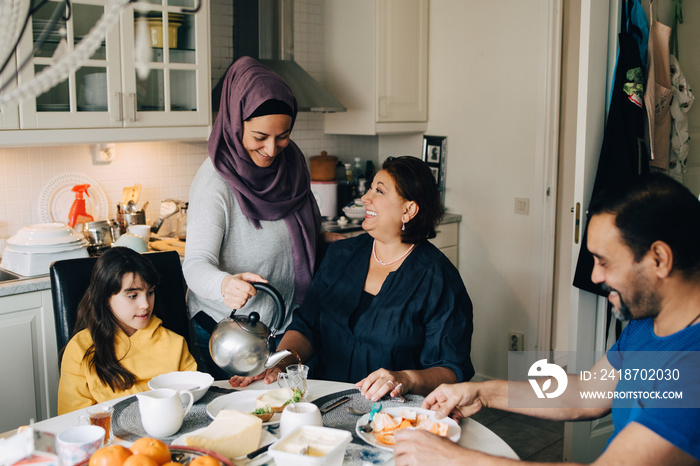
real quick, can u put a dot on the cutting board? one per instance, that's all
(169, 244)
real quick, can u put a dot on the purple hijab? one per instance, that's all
(280, 191)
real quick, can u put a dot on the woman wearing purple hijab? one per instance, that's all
(252, 216)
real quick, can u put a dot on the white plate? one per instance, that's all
(49, 249)
(453, 431)
(265, 439)
(243, 401)
(56, 198)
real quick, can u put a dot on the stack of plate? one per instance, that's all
(32, 250)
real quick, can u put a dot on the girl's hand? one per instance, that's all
(237, 289)
(382, 382)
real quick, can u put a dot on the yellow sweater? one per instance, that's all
(149, 352)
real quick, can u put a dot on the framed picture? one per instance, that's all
(436, 173)
(435, 155)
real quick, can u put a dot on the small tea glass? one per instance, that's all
(294, 378)
(100, 415)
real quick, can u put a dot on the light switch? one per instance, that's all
(522, 205)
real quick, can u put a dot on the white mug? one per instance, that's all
(77, 444)
(299, 414)
(144, 231)
(162, 412)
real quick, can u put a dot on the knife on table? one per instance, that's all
(344, 399)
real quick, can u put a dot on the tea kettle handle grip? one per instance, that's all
(279, 302)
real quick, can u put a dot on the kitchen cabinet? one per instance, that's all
(376, 55)
(104, 99)
(29, 358)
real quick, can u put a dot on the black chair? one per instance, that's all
(71, 278)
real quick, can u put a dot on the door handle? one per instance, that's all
(577, 224)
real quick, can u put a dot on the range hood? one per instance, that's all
(264, 29)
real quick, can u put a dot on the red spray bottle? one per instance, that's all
(78, 213)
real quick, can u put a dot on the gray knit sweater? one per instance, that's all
(222, 241)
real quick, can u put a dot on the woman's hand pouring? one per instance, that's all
(237, 289)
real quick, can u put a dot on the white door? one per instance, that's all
(584, 441)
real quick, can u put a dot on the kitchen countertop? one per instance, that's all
(43, 282)
(355, 225)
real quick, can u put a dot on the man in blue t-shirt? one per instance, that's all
(645, 241)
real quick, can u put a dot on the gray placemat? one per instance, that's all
(126, 419)
(341, 418)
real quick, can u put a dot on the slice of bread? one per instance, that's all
(276, 399)
(232, 434)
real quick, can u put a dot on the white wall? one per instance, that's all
(483, 95)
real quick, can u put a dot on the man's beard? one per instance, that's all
(644, 302)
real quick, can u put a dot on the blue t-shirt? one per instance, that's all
(658, 365)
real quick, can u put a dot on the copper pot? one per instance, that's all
(322, 167)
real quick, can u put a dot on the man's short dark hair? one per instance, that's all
(656, 208)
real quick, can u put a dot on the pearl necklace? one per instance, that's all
(374, 253)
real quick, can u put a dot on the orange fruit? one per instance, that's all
(386, 439)
(152, 447)
(112, 455)
(139, 459)
(172, 463)
(205, 460)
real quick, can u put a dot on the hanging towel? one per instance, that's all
(658, 93)
(680, 141)
(623, 155)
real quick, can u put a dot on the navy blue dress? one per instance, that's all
(421, 317)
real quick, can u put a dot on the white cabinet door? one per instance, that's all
(402, 61)
(105, 93)
(29, 362)
(376, 55)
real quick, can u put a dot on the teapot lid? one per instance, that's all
(251, 323)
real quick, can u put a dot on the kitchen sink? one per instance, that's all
(6, 276)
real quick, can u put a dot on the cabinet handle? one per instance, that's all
(382, 106)
(131, 106)
(117, 106)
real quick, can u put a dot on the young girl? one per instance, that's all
(119, 345)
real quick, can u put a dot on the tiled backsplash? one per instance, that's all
(166, 169)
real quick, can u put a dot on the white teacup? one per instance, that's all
(130, 240)
(162, 412)
(299, 414)
(77, 444)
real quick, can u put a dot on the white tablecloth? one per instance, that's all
(474, 435)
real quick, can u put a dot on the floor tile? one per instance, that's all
(488, 416)
(525, 439)
(553, 426)
(551, 454)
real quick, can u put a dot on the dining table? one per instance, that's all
(473, 434)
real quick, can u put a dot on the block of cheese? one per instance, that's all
(232, 434)
(276, 399)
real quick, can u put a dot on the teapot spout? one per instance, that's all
(276, 357)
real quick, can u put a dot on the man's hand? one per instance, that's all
(455, 399)
(421, 447)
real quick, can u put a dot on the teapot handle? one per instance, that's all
(279, 302)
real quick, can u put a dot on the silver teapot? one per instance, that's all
(242, 345)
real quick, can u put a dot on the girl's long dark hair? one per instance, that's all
(95, 314)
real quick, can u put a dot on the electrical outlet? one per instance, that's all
(516, 341)
(103, 153)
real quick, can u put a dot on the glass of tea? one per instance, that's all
(101, 415)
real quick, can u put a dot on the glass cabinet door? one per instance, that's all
(170, 94)
(82, 99)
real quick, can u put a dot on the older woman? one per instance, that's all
(387, 308)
